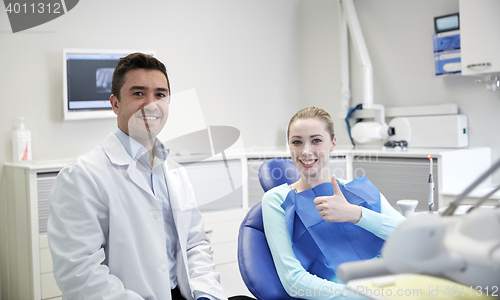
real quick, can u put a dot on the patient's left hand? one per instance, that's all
(336, 208)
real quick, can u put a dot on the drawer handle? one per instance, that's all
(487, 64)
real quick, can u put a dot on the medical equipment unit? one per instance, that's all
(447, 131)
(461, 248)
(433, 126)
(362, 132)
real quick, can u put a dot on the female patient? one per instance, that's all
(319, 222)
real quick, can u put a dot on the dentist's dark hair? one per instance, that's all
(131, 62)
(313, 113)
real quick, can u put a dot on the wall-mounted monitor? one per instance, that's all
(87, 75)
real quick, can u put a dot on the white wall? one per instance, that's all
(240, 56)
(398, 35)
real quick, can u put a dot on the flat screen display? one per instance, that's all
(87, 82)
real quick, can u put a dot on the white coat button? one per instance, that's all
(157, 215)
(164, 268)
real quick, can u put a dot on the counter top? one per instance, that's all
(256, 153)
(266, 153)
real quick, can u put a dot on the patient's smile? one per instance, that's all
(308, 163)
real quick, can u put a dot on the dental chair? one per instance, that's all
(254, 257)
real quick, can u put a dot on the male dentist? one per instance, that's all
(123, 222)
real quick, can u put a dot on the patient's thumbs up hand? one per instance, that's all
(336, 187)
(336, 208)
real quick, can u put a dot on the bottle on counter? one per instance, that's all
(21, 143)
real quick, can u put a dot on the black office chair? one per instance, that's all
(254, 257)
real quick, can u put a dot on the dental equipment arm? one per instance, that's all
(441, 246)
(362, 132)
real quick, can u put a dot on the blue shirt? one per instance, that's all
(155, 177)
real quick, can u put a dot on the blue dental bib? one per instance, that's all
(322, 246)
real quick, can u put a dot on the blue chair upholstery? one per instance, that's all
(254, 257)
(276, 171)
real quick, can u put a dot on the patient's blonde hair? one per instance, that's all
(313, 113)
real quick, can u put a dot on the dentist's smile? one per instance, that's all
(149, 118)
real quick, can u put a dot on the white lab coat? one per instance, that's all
(106, 231)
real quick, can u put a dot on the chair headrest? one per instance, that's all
(277, 171)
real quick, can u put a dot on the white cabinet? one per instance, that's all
(220, 188)
(405, 174)
(222, 228)
(27, 265)
(480, 36)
